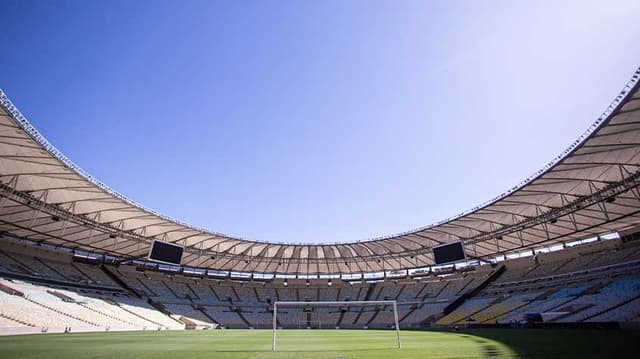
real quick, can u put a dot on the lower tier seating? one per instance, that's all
(577, 285)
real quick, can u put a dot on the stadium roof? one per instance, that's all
(588, 190)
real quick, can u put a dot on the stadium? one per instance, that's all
(558, 252)
(549, 268)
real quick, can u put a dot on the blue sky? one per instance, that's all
(315, 121)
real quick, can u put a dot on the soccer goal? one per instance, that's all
(309, 306)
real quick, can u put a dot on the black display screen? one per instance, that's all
(448, 253)
(166, 252)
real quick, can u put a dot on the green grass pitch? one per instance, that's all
(326, 344)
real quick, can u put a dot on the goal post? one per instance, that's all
(393, 303)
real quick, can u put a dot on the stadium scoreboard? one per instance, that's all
(164, 252)
(449, 253)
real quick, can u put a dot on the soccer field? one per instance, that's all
(324, 344)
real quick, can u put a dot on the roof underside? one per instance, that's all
(590, 189)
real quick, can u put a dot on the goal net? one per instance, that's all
(338, 315)
(310, 324)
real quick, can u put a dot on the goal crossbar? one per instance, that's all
(334, 304)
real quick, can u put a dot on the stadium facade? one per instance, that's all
(68, 238)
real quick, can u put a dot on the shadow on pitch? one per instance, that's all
(556, 343)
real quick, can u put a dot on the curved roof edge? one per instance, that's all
(41, 139)
(590, 189)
